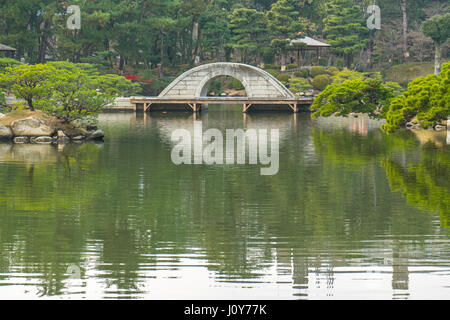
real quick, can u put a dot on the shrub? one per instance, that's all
(367, 95)
(321, 81)
(427, 98)
(323, 61)
(273, 72)
(7, 62)
(332, 71)
(303, 73)
(271, 66)
(291, 66)
(299, 85)
(237, 85)
(283, 78)
(317, 70)
(215, 86)
(353, 75)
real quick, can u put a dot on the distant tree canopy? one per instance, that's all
(130, 34)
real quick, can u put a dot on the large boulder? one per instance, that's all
(31, 126)
(5, 133)
(95, 135)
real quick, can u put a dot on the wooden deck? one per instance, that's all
(195, 103)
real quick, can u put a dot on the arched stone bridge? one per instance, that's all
(258, 83)
(189, 90)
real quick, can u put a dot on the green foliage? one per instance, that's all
(317, 70)
(366, 95)
(66, 90)
(273, 72)
(299, 85)
(437, 28)
(27, 81)
(428, 98)
(7, 62)
(332, 71)
(345, 28)
(283, 20)
(283, 78)
(73, 95)
(321, 81)
(269, 56)
(354, 75)
(237, 85)
(117, 85)
(248, 31)
(270, 66)
(2, 99)
(134, 35)
(291, 66)
(303, 73)
(215, 86)
(405, 73)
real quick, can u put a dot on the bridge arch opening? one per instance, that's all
(223, 85)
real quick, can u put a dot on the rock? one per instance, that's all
(5, 132)
(78, 138)
(31, 126)
(91, 127)
(96, 135)
(63, 140)
(438, 127)
(21, 140)
(61, 133)
(41, 140)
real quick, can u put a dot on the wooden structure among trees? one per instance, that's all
(304, 44)
(8, 50)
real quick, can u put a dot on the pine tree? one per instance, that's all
(284, 25)
(248, 34)
(344, 28)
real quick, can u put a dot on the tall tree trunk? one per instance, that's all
(121, 64)
(43, 44)
(437, 58)
(195, 42)
(370, 51)
(161, 63)
(403, 4)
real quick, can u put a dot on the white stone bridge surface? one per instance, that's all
(258, 83)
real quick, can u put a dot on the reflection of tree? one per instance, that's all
(41, 205)
(425, 183)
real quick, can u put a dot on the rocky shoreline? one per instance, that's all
(38, 130)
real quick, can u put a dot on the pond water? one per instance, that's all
(351, 214)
